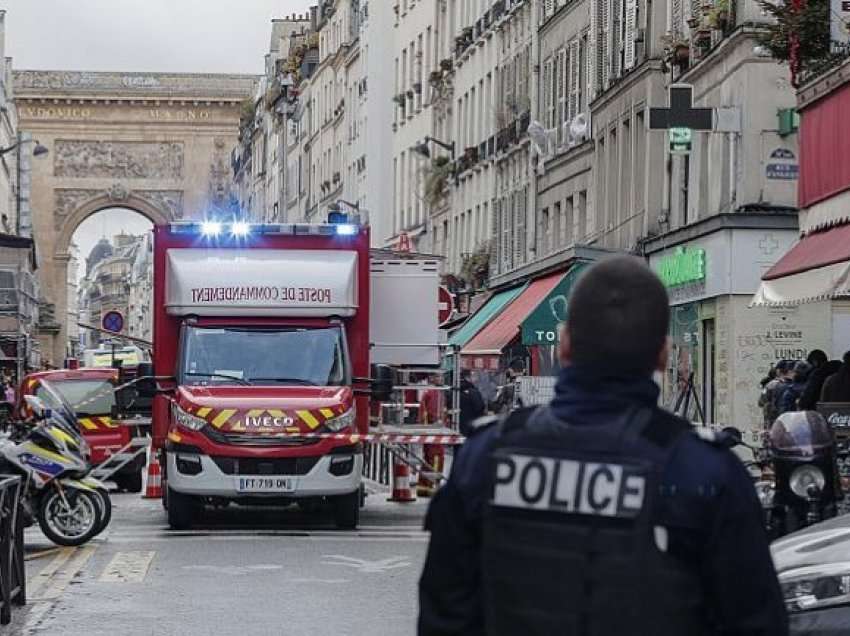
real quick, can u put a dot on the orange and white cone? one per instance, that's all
(402, 490)
(153, 489)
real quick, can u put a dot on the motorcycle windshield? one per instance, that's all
(800, 434)
(59, 406)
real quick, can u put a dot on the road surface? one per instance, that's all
(245, 572)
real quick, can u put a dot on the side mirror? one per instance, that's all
(383, 381)
(145, 383)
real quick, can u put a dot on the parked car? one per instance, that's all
(814, 571)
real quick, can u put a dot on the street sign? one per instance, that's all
(113, 321)
(445, 305)
(681, 112)
(680, 140)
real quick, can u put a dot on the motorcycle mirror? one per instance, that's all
(37, 407)
(734, 433)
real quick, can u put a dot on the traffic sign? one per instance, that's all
(445, 304)
(680, 141)
(113, 321)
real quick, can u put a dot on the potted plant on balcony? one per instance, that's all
(435, 77)
(718, 17)
(446, 64)
(677, 49)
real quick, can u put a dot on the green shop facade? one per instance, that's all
(721, 345)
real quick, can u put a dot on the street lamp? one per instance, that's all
(423, 150)
(38, 151)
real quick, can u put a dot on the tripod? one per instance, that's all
(682, 404)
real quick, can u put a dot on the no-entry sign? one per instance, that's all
(445, 305)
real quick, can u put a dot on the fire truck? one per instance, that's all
(262, 356)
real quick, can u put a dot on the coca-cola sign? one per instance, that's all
(837, 414)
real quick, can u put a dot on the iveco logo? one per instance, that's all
(268, 422)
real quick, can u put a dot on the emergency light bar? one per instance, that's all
(240, 229)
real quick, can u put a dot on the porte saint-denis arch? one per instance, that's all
(158, 144)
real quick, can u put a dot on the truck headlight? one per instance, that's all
(805, 476)
(341, 422)
(816, 587)
(186, 420)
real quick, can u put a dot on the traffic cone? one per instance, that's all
(153, 489)
(402, 490)
(434, 456)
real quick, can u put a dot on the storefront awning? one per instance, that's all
(817, 268)
(499, 333)
(484, 315)
(541, 325)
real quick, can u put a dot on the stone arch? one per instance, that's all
(132, 202)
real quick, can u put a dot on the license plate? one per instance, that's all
(265, 484)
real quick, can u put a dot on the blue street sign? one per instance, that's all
(113, 321)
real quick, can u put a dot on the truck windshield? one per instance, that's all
(293, 356)
(86, 397)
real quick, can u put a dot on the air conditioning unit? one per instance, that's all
(579, 129)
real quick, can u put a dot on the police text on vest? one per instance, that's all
(564, 485)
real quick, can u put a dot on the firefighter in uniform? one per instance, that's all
(600, 514)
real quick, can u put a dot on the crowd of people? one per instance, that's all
(800, 385)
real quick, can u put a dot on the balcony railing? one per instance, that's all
(840, 54)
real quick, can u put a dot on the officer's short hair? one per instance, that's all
(618, 316)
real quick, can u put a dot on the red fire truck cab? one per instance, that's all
(263, 334)
(90, 393)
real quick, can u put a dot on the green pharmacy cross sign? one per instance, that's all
(682, 267)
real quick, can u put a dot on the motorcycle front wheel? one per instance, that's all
(72, 524)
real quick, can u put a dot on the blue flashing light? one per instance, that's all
(211, 228)
(240, 229)
(346, 229)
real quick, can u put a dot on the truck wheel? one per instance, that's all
(131, 482)
(182, 510)
(347, 510)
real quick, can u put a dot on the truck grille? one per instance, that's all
(259, 466)
(256, 440)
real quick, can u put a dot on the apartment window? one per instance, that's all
(557, 225)
(582, 216)
(569, 222)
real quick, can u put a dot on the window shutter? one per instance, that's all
(563, 110)
(573, 80)
(616, 29)
(592, 44)
(603, 49)
(547, 89)
(519, 241)
(630, 34)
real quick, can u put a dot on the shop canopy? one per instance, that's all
(817, 268)
(487, 345)
(541, 325)
(485, 314)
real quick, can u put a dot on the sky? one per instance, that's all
(191, 36)
(185, 36)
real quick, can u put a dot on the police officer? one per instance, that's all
(601, 514)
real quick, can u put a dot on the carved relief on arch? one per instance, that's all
(79, 158)
(169, 202)
(66, 200)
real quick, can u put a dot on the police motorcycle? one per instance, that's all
(51, 456)
(800, 483)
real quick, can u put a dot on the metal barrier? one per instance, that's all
(377, 463)
(12, 575)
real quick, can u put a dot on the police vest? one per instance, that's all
(569, 546)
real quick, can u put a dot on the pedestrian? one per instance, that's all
(823, 367)
(600, 513)
(9, 393)
(431, 404)
(506, 396)
(769, 399)
(836, 388)
(793, 391)
(471, 403)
